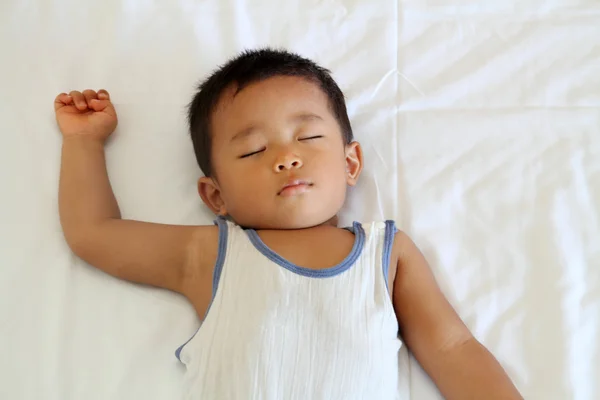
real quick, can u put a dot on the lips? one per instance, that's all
(294, 186)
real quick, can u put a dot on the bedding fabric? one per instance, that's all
(480, 122)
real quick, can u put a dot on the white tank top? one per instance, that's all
(274, 330)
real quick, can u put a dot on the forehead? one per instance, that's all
(268, 100)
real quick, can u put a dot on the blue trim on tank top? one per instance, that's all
(222, 250)
(359, 240)
(388, 241)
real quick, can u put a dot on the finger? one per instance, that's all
(89, 95)
(102, 105)
(79, 100)
(62, 100)
(103, 94)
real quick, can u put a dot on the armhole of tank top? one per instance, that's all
(221, 253)
(388, 242)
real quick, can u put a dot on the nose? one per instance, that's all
(287, 161)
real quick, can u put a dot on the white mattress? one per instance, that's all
(480, 122)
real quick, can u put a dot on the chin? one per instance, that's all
(300, 216)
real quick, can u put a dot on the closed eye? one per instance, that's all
(311, 137)
(253, 153)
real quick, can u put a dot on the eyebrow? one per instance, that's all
(298, 118)
(306, 117)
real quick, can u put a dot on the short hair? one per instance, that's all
(252, 66)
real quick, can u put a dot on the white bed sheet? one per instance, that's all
(480, 122)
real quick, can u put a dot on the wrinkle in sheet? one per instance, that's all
(403, 76)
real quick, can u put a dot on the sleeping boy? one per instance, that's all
(292, 306)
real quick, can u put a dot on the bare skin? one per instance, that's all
(281, 168)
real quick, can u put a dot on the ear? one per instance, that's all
(354, 162)
(210, 193)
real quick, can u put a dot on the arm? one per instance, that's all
(153, 254)
(459, 365)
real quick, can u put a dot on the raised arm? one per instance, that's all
(169, 256)
(461, 367)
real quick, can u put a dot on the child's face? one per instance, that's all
(275, 133)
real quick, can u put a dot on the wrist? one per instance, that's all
(83, 140)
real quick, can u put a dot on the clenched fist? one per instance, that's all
(89, 113)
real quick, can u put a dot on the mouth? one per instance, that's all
(293, 187)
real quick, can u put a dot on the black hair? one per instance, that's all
(253, 66)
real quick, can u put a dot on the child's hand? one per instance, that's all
(85, 114)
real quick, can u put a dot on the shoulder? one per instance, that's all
(401, 246)
(406, 253)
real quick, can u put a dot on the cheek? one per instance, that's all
(335, 166)
(334, 175)
(242, 183)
